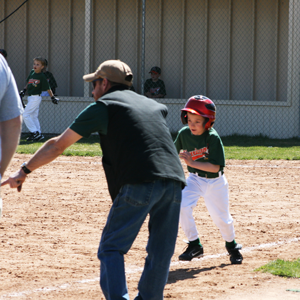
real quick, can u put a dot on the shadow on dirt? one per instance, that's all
(182, 274)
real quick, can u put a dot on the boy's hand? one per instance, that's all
(187, 157)
(54, 100)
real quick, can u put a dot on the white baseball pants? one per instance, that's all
(31, 113)
(216, 197)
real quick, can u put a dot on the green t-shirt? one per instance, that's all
(207, 147)
(36, 83)
(92, 119)
(155, 88)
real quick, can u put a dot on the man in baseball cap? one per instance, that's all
(115, 71)
(143, 172)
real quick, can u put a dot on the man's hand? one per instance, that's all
(16, 180)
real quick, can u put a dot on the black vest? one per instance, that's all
(138, 146)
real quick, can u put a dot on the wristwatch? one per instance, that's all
(25, 169)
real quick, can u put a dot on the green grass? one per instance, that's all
(282, 268)
(236, 147)
(261, 152)
(261, 147)
(84, 147)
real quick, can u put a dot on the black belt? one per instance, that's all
(212, 175)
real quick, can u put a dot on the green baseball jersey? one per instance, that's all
(36, 83)
(207, 147)
(155, 88)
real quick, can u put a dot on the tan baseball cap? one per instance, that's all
(113, 70)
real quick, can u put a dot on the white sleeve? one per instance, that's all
(10, 102)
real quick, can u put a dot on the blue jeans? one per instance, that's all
(161, 199)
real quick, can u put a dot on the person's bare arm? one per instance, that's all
(47, 153)
(52, 149)
(10, 135)
(50, 93)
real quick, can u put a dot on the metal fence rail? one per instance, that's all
(240, 53)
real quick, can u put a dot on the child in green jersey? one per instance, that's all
(36, 83)
(202, 150)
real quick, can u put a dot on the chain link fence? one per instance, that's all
(243, 54)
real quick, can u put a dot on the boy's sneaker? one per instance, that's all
(38, 137)
(31, 136)
(192, 251)
(236, 257)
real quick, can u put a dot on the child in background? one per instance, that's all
(36, 83)
(155, 87)
(51, 80)
(203, 153)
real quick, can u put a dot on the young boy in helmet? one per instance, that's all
(203, 153)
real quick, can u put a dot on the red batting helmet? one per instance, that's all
(202, 106)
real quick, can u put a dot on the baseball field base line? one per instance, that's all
(132, 270)
(244, 250)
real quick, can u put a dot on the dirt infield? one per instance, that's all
(51, 230)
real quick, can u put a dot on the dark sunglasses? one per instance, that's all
(94, 82)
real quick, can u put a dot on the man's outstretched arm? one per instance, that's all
(47, 153)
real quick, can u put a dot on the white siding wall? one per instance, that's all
(240, 53)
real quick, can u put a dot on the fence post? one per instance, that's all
(87, 44)
(143, 47)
